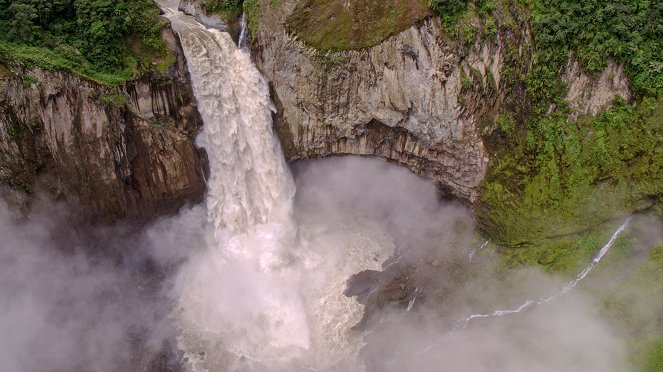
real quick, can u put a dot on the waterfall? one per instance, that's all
(239, 291)
(527, 304)
(477, 250)
(260, 295)
(241, 42)
(249, 183)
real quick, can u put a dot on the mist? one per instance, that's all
(413, 320)
(166, 297)
(76, 298)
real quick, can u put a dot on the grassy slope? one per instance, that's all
(563, 178)
(227, 10)
(328, 25)
(51, 60)
(638, 306)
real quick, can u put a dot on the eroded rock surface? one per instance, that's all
(398, 100)
(115, 152)
(591, 95)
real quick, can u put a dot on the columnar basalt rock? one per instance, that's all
(417, 98)
(400, 100)
(115, 152)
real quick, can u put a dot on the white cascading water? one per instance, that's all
(261, 296)
(244, 31)
(258, 298)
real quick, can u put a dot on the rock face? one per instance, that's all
(115, 152)
(591, 95)
(194, 8)
(399, 100)
(413, 99)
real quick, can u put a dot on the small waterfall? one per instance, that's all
(463, 323)
(241, 42)
(477, 250)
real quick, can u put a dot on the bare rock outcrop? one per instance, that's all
(399, 100)
(416, 99)
(591, 95)
(114, 152)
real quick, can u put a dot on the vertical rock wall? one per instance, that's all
(115, 152)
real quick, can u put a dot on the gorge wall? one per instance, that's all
(399, 100)
(416, 99)
(116, 152)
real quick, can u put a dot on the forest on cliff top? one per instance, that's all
(108, 40)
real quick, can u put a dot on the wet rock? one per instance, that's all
(113, 152)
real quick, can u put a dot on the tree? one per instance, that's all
(23, 28)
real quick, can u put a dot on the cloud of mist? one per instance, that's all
(107, 299)
(567, 334)
(410, 207)
(436, 236)
(68, 305)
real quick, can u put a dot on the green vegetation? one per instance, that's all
(637, 304)
(556, 178)
(628, 31)
(252, 11)
(565, 255)
(29, 80)
(108, 41)
(329, 25)
(115, 100)
(227, 10)
(594, 31)
(555, 186)
(649, 357)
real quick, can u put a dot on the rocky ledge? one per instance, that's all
(115, 152)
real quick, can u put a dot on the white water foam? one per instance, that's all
(243, 33)
(259, 297)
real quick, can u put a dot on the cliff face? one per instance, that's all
(414, 99)
(398, 100)
(116, 152)
(591, 95)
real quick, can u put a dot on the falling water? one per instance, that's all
(249, 204)
(259, 296)
(477, 251)
(463, 323)
(241, 42)
(245, 300)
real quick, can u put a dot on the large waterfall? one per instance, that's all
(265, 293)
(249, 300)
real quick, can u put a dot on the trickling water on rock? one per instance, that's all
(529, 303)
(243, 33)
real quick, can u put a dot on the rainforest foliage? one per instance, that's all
(553, 177)
(111, 40)
(594, 31)
(557, 187)
(226, 9)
